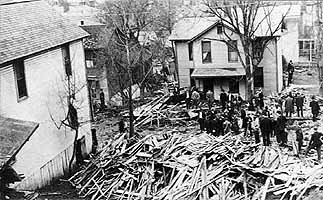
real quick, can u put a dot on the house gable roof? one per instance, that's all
(99, 37)
(192, 28)
(13, 135)
(28, 27)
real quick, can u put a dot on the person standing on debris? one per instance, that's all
(290, 69)
(261, 99)
(196, 98)
(265, 128)
(255, 128)
(240, 100)
(315, 108)
(209, 98)
(244, 119)
(299, 104)
(102, 99)
(280, 102)
(315, 143)
(201, 120)
(188, 98)
(280, 126)
(227, 126)
(289, 105)
(299, 137)
(252, 104)
(223, 99)
(121, 125)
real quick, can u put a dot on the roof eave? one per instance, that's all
(43, 49)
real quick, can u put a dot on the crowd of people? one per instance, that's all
(254, 119)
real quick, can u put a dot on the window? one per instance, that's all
(234, 85)
(190, 51)
(67, 60)
(232, 51)
(206, 52)
(219, 29)
(19, 68)
(306, 48)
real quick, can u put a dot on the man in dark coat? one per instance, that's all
(201, 120)
(315, 143)
(299, 104)
(223, 99)
(289, 105)
(280, 128)
(210, 99)
(299, 138)
(261, 100)
(265, 128)
(315, 108)
(290, 69)
(102, 99)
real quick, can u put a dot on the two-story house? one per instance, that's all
(209, 64)
(42, 65)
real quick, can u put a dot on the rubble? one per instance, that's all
(179, 165)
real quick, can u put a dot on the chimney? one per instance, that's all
(82, 22)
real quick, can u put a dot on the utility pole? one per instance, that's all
(319, 41)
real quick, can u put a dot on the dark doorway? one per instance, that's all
(208, 85)
(259, 77)
(234, 85)
(192, 80)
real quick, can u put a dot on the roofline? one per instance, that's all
(7, 62)
(17, 2)
(205, 31)
(17, 151)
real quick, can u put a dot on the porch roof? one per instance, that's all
(13, 135)
(218, 72)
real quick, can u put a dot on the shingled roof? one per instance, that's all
(13, 135)
(28, 27)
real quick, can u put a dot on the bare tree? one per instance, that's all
(246, 18)
(126, 57)
(71, 102)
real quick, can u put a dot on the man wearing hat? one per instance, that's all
(280, 128)
(265, 128)
(315, 143)
(299, 104)
(315, 108)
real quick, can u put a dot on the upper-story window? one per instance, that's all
(19, 68)
(67, 59)
(190, 51)
(232, 51)
(219, 28)
(206, 52)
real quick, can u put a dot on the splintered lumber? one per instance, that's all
(187, 166)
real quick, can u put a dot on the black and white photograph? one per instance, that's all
(161, 99)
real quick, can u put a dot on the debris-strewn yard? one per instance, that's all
(182, 164)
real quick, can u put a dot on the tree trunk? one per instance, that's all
(130, 104)
(74, 152)
(249, 78)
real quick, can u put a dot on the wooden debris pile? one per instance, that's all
(188, 166)
(159, 112)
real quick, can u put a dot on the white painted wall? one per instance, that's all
(272, 67)
(289, 40)
(271, 62)
(45, 78)
(219, 50)
(184, 64)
